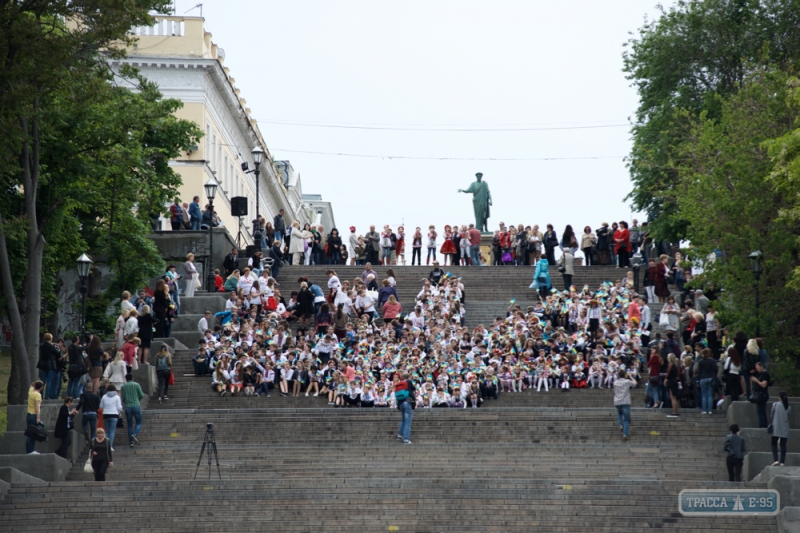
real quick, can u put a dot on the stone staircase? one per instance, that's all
(504, 470)
(530, 461)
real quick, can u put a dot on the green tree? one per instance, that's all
(111, 148)
(48, 49)
(785, 179)
(732, 199)
(682, 60)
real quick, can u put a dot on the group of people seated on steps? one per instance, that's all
(265, 344)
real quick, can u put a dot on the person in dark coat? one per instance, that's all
(277, 258)
(334, 247)
(146, 324)
(64, 425)
(305, 304)
(77, 367)
(161, 301)
(386, 291)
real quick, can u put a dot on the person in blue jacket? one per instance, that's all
(541, 278)
(194, 212)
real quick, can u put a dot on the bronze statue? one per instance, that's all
(481, 200)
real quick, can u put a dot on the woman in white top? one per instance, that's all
(296, 247)
(119, 330)
(309, 237)
(673, 313)
(189, 274)
(132, 324)
(287, 378)
(111, 406)
(254, 296)
(333, 281)
(246, 281)
(262, 280)
(116, 370)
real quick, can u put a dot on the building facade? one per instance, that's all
(177, 53)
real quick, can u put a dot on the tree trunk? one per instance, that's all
(32, 304)
(20, 372)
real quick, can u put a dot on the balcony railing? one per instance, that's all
(166, 26)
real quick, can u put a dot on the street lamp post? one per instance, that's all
(757, 269)
(211, 192)
(258, 157)
(637, 263)
(84, 265)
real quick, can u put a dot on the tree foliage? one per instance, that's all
(83, 162)
(683, 60)
(734, 195)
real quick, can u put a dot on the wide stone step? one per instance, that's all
(463, 503)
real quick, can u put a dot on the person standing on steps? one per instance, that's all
(231, 262)
(88, 404)
(101, 452)
(372, 242)
(760, 382)
(195, 214)
(280, 226)
(706, 372)
(780, 428)
(33, 416)
(566, 267)
(132, 394)
(404, 393)
(672, 377)
(735, 446)
(622, 401)
(111, 406)
(163, 370)
(190, 275)
(64, 423)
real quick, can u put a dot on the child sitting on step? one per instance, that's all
(381, 399)
(543, 378)
(564, 377)
(505, 379)
(517, 384)
(579, 373)
(368, 398)
(613, 369)
(596, 375)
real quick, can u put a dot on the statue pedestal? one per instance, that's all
(486, 248)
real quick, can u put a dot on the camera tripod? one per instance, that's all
(239, 235)
(209, 441)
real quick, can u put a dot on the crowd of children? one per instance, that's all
(575, 338)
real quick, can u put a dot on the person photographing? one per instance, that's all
(404, 393)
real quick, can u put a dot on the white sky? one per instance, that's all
(446, 64)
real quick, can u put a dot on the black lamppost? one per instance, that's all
(755, 266)
(84, 265)
(211, 192)
(637, 262)
(258, 157)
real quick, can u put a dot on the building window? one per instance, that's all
(224, 175)
(214, 152)
(208, 141)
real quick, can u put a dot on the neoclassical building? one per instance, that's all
(179, 55)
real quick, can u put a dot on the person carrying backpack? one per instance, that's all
(404, 393)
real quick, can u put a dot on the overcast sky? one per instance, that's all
(553, 68)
